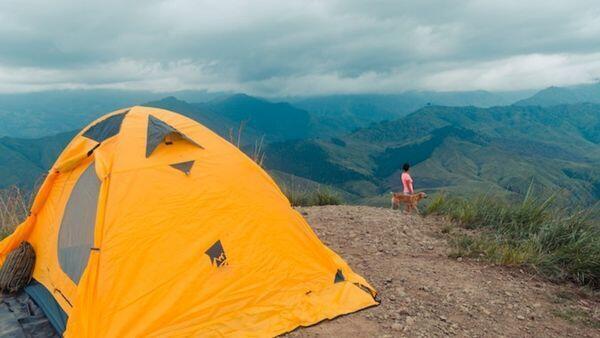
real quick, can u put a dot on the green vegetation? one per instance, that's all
(462, 150)
(306, 198)
(576, 315)
(531, 233)
(24, 161)
(326, 197)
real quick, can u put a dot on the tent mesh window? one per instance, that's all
(17, 269)
(107, 128)
(76, 235)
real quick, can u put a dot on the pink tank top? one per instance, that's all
(407, 182)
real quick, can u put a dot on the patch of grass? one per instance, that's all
(446, 229)
(320, 196)
(437, 204)
(531, 233)
(576, 315)
(562, 296)
(326, 197)
(299, 199)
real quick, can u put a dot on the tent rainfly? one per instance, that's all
(150, 224)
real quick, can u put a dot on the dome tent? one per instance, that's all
(151, 224)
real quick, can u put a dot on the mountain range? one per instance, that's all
(462, 143)
(39, 114)
(460, 150)
(45, 113)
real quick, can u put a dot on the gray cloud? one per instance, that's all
(297, 47)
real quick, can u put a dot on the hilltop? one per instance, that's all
(553, 96)
(425, 293)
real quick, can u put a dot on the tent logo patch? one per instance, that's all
(217, 255)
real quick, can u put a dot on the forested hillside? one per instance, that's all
(461, 150)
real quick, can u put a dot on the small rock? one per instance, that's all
(459, 259)
(443, 319)
(400, 292)
(403, 312)
(519, 317)
(396, 327)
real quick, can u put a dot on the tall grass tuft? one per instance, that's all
(325, 196)
(533, 233)
(304, 198)
(258, 149)
(14, 207)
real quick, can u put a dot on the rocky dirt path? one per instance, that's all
(426, 294)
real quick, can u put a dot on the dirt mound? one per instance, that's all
(425, 293)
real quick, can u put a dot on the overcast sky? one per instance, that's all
(299, 47)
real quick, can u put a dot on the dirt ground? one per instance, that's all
(426, 294)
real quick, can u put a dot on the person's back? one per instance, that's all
(407, 181)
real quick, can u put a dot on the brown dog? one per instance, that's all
(410, 201)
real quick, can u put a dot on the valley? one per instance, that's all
(355, 145)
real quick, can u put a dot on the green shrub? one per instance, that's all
(320, 196)
(300, 199)
(436, 205)
(532, 233)
(326, 197)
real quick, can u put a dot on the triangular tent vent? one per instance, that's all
(185, 167)
(106, 128)
(339, 277)
(157, 131)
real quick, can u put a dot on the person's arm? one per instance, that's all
(410, 185)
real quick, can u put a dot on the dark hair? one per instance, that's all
(406, 166)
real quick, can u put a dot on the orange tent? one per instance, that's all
(149, 224)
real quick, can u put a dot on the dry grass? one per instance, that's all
(14, 207)
(258, 152)
(258, 149)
